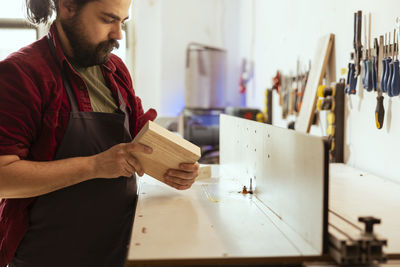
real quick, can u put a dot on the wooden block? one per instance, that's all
(204, 172)
(315, 78)
(169, 150)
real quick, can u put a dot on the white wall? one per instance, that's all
(163, 30)
(288, 29)
(147, 68)
(273, 33)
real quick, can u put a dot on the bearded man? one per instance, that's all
(68, 113)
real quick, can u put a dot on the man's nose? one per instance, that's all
(116, 31)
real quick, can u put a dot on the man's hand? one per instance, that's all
(119, 161)
(184, 177)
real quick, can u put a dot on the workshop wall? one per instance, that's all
(288, 29)
(163, 30)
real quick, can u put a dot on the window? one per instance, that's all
(14, 9)
(15, 32)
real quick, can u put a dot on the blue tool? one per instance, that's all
(384, 67)
(389, 77)
(374, 74)
(368, 78)
(395, 81)
(364, 76)
(389, 71)
(375, 65)
(353, 80)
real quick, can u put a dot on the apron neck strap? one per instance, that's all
(70, 93)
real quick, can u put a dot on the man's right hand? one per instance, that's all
(119, 161)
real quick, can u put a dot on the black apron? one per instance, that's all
(87, 224)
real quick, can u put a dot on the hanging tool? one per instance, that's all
(389, 70)
(395, 81)
(368, 78)
(357, 42)
(365, 73)
(375, 65)
(379, 110)
(351, 82)
(384, 65)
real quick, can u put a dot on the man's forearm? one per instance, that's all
(22, 179)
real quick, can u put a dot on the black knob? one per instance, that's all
(369, 223)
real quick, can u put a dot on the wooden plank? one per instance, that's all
(317, 72)
(169, 150)
(288, 168)
(355, 193)
(204, 172)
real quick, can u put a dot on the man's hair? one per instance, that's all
(40, 11)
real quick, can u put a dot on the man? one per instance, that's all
(67, 115)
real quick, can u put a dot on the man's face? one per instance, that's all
(93, 31)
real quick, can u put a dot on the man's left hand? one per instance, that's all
(182, 178)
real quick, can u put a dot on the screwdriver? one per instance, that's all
(368, 80)
(380, 110)
(351, 80)
(395, 75)
(364, 77)
(374, 68)
(384, 66)
(389, 70)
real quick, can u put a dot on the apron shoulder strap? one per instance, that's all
(68, 88)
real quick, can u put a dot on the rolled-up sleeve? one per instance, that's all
(20, 109)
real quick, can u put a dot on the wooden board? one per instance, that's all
(288, 168)
(169, 150)
(355, 193)
(204, 172)
(316, 75)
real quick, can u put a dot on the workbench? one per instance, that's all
(214, 223)
(303, 209)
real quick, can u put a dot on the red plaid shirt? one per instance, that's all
(34, 113)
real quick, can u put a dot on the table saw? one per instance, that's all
(302, 210)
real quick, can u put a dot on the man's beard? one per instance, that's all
(86, 54)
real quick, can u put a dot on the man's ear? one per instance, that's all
(67, 8)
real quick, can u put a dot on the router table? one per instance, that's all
(290, 219)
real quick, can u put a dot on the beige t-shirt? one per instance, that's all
(100, 95)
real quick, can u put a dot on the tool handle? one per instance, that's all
(353, 80)
(384, 67)
(374, 74)
(395, 79)
(379, 112)
(389, 73)
(368, 78)
(364, 76)
(369, 223)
